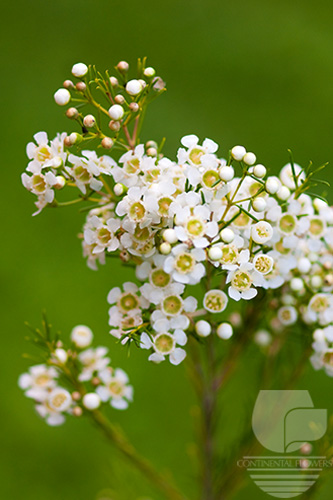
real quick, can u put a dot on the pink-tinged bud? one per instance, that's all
(76, 396)
(107, 143)
(119, 99)
(89, 121)
(77, 411)
(81, 86)
(72, 113)
(114, 81)
(134, 107)
(68, 84)
(67, 142)
(123, 66)
(113, 125)
(152, 152)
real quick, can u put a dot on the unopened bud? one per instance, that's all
(113, 125)
(114, 81)
(152, 152)
(119, 99)
(95, 381)
(119, 189)
(89, 121)
(61, 181)
(68, 84)
(134, 107)
(124, 256)
(76, 396)
(72, 113)
(81, 86)
(149, 72)
(77, 411)
(75, 138)
(107, 143)
(151, 144)
(123, 66)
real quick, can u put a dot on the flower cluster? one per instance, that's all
(198, 218)
(74, 380)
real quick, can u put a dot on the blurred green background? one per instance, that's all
(258, 73)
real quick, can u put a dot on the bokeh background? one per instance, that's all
(258, 73)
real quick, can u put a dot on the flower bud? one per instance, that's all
(151, 144)
(238, 152)
(259, 204)
(249, 159)
(81, 86)
(152, 152)
(61, 182)
(113, 125)
(75, 138)
(272, 185)
(133, 87)
(77, 411)
(227, 235)
(72, 113)
(224, 331)
(259, 171)
(79, 70)
(89, 121)
(226, 173)
(107, 142)
(149, 72)
(114, 81)
(76, 396)
(283, 193)
(316, 282)
(62, 97)
(296, 284)
(123, 66)
(170, 236)
(67, 142)
(124, 256)
(165, 248)
(68, 84)
(143, 83)
(262, 338)
(134, 107)
(119, 99)
(81, 336)
(304, 265)
(203, 328)
(215, 253)
(61, 355)
(91, 401)
(116, 112)
(119, 189)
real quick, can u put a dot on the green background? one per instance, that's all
(257, 73)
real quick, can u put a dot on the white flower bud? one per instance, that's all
(119, 189)
(227, 235)
(61, 355)
(123, 66)
(165, 248)
(89, 121)
(215, 253)
(249, 158)
(116, 112)
(79, 70)
(68, 84)
(72, 113)
(114, 125)
(61, 181)
(119, 99)
(134, 107)
(75, 138)
(296, 284)
(272, 185)
(316, 282)
(238, 152)
(81, 336)
(114, 81)
(304, 265)
(203, 328)
(259, 204)
(91, 401)
(107, 142)
(262, 338)
(226, 173)
(62, 97)
(149, 72)
(319, 204)
(152, 152)
(224, 331)
(169, 235)
(283, 193)
(133, 87)
(259, 171)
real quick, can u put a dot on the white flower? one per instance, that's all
(195, 152)
(102, 236)
(261, 232)
(215, 301)
(185, 265)
(115, 388)
(93, 361)
(38, 382)
(165, 344)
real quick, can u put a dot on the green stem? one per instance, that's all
(119, 440)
